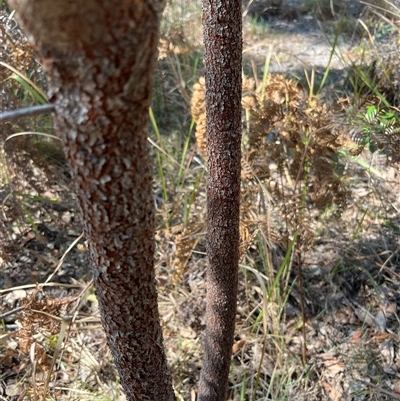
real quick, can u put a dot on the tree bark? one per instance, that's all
(222, 26)
(99, 58)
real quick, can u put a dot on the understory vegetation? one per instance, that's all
(318, 302)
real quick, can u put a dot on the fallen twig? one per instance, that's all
(380, 389)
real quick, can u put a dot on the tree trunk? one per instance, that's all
(99, 58)
(222, 26)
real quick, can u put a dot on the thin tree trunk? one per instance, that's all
(222, 25)
(99, 58)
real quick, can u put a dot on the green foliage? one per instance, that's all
(377, 125)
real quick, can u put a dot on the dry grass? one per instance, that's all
(317, 311)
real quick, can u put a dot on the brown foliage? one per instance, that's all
(198, 110)
(293, 147)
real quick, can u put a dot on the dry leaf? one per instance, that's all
(238, 346)
(335, 367)
(333, 393)
(333, 364)
(14, 389)
(364, 316)
(391, 309)
(187, 332)
(380, 322)
(387, 351)
(356, 337)
(396, 387)
(380, 337)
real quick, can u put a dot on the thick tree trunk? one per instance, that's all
(222, 25)
(99, 58)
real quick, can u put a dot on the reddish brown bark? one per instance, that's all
(99, 58)
(222, 25)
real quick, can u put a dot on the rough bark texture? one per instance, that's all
(222, 25)
(99, 58)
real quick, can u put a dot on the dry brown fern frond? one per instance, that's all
(184, 238)
(248, 93)
(326, 185)
(174, 43)
(290, 151)
(198, 111)
(247, 236)
(282, 90)
(40, 320)
(293, 134)
(198, 108)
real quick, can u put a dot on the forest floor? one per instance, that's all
(318, 299)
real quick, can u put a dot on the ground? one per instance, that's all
(318, 299)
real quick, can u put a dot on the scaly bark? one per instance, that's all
(222, 26)
(99, 58)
